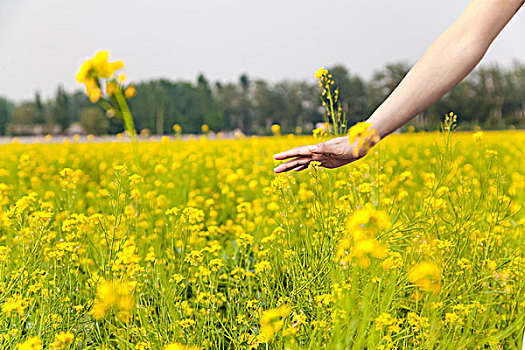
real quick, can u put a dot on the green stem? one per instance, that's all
(332, 112)
(128, 124)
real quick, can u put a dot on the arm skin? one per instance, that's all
(445, 63)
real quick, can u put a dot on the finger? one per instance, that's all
(301, 168)
(293, 163)
(296, 152)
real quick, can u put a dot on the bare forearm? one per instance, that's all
(446, 62)
(443, 66)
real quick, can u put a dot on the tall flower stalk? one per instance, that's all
(107, 88)
(334, 115)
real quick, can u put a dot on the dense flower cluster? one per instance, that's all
(198, 245)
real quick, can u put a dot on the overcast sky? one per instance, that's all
(42, 43)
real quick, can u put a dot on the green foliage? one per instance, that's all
(384, 82)
(93, 120)
(354, 94)
(492, 98)
(5, 114)
(61, 108)
(215, 120)
(25, 114)
(40, 114)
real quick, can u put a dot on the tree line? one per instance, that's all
(491, 97)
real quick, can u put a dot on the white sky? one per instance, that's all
(42, 43)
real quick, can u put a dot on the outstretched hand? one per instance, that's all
(331, 154)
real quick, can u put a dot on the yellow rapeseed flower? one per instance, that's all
(98, 67)
(62, 340)
(262, 266)
(113, 295)
(130, 91)
(111, 88)
(32, 343)
(385, 319)
(94, 69)
(178, 346)
(478, 136)
(366, 223)
(15, 304)
(427, 276)
(452, 318)
(320, 73)
(362, 137)
(365, 249)
(319, 132)
(272, 321)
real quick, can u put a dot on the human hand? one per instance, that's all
(331, 154)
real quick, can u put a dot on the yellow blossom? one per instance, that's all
(178, 346)
(130, 91)
(15, 304)
(362, 137)
(32, 343)
(94, 69)
(62, 340)
(427, 276)
(452, 317)
(478, 136)
(262, 266)
(113, 295)
(320, 73)
(272, 321)
(111, 88)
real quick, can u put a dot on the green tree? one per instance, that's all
(77, 101)
(245, 106)
(5, 114)
(229, 102)
(492, 97)
(353, 93)
(384, 82)
(94, 120)
(208, 106)
(40, 116)
(514, 92)
(25, 114)
(61, 112)
(489, 96)
(267, 107)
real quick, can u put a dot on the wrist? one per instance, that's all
(378, 129)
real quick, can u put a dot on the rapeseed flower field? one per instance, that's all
(199, 245)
